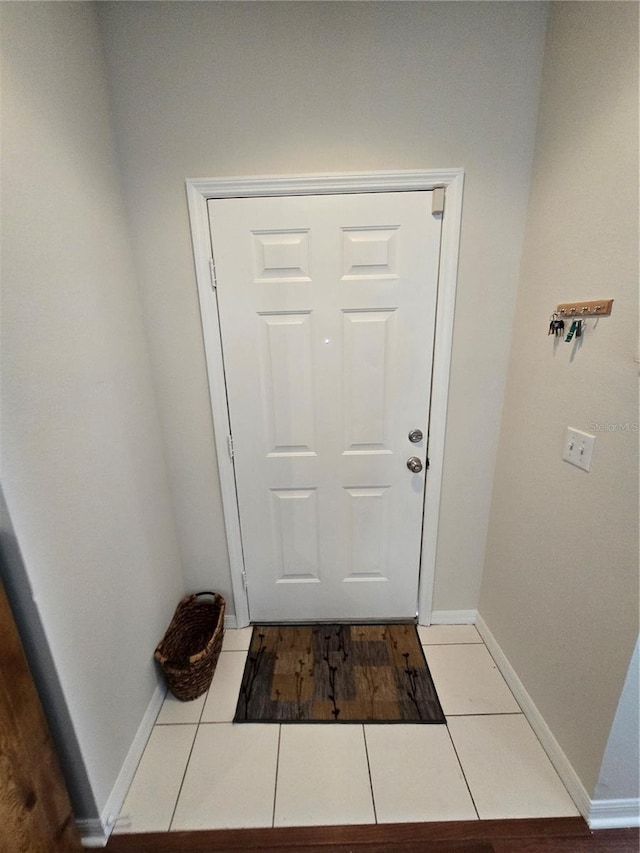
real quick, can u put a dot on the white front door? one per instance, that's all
(327, 311)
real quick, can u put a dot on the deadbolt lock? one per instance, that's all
(415, 436)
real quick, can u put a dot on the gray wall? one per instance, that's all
(620, 771)
(560, 587)
(83, 470)
(220, 89)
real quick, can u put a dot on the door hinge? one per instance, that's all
(245, 583)
(230, 446)
(212, 274)
(437, 201)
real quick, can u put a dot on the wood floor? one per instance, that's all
(557, 835)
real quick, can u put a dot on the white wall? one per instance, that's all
(82, 461)
(560, 587)
(220, 89)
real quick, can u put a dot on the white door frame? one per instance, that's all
(199, 190)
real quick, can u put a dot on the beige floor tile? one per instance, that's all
(468, 681)
(174, 711)
(153, 793)
(323, 776)
(436, 635)
(507, 770)
(222, 698)
(230, 780)
(237, 640)
(415, 775)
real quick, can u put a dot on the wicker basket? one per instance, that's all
(189, 651)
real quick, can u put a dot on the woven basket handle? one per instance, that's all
(205, 593)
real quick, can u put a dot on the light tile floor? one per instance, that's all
(199, 771)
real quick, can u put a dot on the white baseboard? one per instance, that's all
(453, 617)
(614, 814)
(95, 833)
(229, 621)
(92, 833)
(563, 767)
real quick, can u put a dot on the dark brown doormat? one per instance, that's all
(337, 674)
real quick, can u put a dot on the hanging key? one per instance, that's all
(572, 332)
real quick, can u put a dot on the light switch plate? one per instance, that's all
(578, 448)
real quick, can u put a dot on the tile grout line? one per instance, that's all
(489, 714)
(373, 796)
(464, 775)
(184, 776)
(195, 737)
(275, 786)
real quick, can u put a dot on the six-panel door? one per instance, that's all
(327, 310)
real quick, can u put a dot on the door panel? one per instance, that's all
(366, 336)
(327, 310)
(295, 533)
(288, 384)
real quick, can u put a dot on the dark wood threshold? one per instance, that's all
(546, 835)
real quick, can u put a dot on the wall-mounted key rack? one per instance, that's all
(596, 308)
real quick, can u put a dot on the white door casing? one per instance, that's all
(281, 328)
(327, 309)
